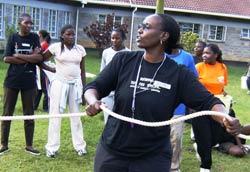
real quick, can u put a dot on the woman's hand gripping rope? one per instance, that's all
(228, 121)
(96, 107)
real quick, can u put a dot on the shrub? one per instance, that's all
(188, 39)
(100, 33)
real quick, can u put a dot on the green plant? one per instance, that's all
(188, 39)
(9, 28)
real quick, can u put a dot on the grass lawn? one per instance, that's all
(67, 160)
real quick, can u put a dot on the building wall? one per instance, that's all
(45, 8)
(233, 48)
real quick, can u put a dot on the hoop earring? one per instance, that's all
(161, 42)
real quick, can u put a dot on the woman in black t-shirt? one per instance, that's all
(148, 86)
(22, 53)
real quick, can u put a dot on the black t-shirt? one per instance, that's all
(173, 84)
(21, 76)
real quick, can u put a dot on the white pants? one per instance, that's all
(176, 142)
(53, 143)
(109, 100)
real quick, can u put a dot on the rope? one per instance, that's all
(124, 118)
(29, 117)
(172, 121)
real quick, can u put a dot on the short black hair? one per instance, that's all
(22, 16)
(121, 31)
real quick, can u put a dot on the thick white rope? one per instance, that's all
(124, 118)
(172, 121)
(29, 117)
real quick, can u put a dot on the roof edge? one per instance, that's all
(170, 9)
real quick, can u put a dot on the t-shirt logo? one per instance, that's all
(148, 84)
(220, 79)
(25, 48)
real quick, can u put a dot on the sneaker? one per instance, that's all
(247, 148)
(216, 146)
(4, 149)
(50, 154)
(204, 170)
(32, 151)
(196, 152)
(192, 134)
(81, 152)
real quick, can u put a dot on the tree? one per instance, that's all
(188, 39)
(100, 33)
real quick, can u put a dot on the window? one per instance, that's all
(245, 33)
(189, 27)
(1, 21)
(117, 20)
(67, 17)
(216, 33)
(52, 20)
(102, 19)
(36, 17)
(17, 11)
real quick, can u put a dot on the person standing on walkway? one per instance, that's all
(22, 53)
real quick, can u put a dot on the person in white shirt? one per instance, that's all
(66, 86)
(118, 38)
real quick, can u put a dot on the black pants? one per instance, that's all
(106, 162)
(42, 91)
(208, 133)
(248, 83)
(9, 103)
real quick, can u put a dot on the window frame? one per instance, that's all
(36, 20)
(104, 19)
(52, 23)
(215, 35)
(192, 28)
(67, 17)
(248, 34)
(17, 11)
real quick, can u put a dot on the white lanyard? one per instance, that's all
(136, 84)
